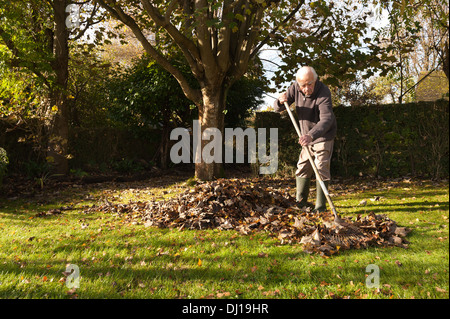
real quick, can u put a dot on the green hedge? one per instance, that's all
(380, 140)
(92, 149)
(111, 148)
(4, 161)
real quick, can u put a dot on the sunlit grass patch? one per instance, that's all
(118, 259)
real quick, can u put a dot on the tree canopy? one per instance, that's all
(216, 40)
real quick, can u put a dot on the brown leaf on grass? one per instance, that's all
(402, 231)
(248, 205)
(440, 290)
(263, 255)
(50, 212)
(313, 239)
(223, 294)
(72, 293)
(301, 295)
(271, 292)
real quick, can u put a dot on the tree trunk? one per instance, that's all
(211, 115)
(445, 60)
(58, 138)
(59, 128)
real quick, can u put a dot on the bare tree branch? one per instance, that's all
(188, 47)
(89, 21)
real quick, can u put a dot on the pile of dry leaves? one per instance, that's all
(245, 206)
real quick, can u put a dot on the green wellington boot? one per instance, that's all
(321, 200)
(302, 191)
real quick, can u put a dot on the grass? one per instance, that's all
(117, 259)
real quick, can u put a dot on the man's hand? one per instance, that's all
(305, 140)
(282, 98)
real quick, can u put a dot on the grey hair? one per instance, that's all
(305, 69)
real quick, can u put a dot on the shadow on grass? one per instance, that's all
(415, 207)
(116, 275)
(285, 266)
(97, 281)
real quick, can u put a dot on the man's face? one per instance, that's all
(306, 82)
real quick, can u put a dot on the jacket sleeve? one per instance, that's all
(290, 96)
(326, 115)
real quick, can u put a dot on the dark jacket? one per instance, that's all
(315, 113)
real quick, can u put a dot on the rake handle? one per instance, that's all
(311, 160)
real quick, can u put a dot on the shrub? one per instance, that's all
(4, 161)
(378, 140)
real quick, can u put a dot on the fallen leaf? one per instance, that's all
(249, 205)
(72, 293)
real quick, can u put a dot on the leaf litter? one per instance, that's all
(246, 206)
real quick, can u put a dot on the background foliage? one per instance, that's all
(377, 140)
(4, 161)
(114, 110)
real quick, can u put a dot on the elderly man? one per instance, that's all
(318, 126)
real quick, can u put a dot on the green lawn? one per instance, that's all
(117, 259)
